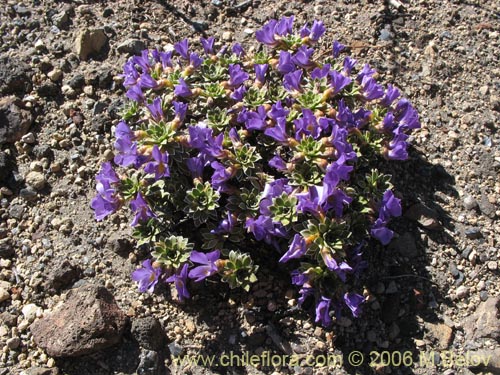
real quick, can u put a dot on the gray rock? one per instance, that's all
(149, 333)
(89, 42)
(77, 82)
(89, 320)
(470, 202)
(425, 216)
(486, 207)
(28, 194)
(36, 180)
(15, 77)
(8, 319)
(488, 360)
(13, 343)
(15, 121)
(5, 166)
(48, 89)
(61, 20)
(63, 275)
(131, 46)
(485, 321)
(473, 233)
(41, 371)
(16, 211)
(149, 363)
(405, 245)
(6, 249)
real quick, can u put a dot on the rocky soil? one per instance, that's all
(67, 304)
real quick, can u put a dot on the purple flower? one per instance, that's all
(338, 81)
(381, 232)
(312, 200)
(337, 48)
(104, 205)
(208, 264)
(323, 312)
(354, 301)
(220, 176)
(391, 94)
(278, 132)
(180, 280)
(141, 210)
(260, 227)
(336, 172)
(238, 50)
(182, 48)
(305, 292)
(226, 225)
(208, 45)
(147, 276)
(122, 131)
(239, 93)
(367, 71)
(284, 26)
(147, 82)
(296, 250)
(390, 206)
(180, 110)
(255, 120)
(130, 74)
(371, 89)
(317, 31)
(307, 125)
(155, 109)
(278, 163)
(158, 167)
(127, 152)
(182, 89)
(388, 122)
(332, 264)
(143, 61)
(320, 73)
(291, 81)
(406, 115)
(336, 200)
(237, 75)
(299, 278)
(135, 93)
(398, 148)
(166, 59)
(260, 72)
(107, 174)
(285, 63)
(277, 111)
(195, 166)
(349, 64)
(195, 60)
(303, 56)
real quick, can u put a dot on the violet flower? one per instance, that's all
(278, 163)
(180, 110)
(239, 93)
(367, 71)
(320, 73)
(260, 72)
(291, 81)
(195, 60)
(338, 81)
(390, 206)
(180, 280)
(196, 165)
(146, 82)
(147, 276)
(182, 48)
(277, 111)
(398, 148)
(220, 176)
(237, 75)
(104, 205)
(127, 152)
(135, 93)
(141, 210)
(255, 120)
(337, 48)
(391, 94)
(278, 132)
(354, 301)
(317, 31)
(208, 45)
(323, 312)
(303, 56)
(159, 165)
(349, 64)
(284, 26)
(307, 125)
(371, 89)
(296, 250)
(380, 232)
(406, 115)
(285, 63)
(155, 109)
(238, 50)
(182, 89)
(208, 263)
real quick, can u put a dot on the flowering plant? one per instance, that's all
(220, 150)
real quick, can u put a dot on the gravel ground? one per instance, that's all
(434, 290)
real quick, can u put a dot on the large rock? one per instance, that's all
(15, 77)
(89, 42)
(149, 333)
(88, 320)
(485, 321)
(15, 121)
